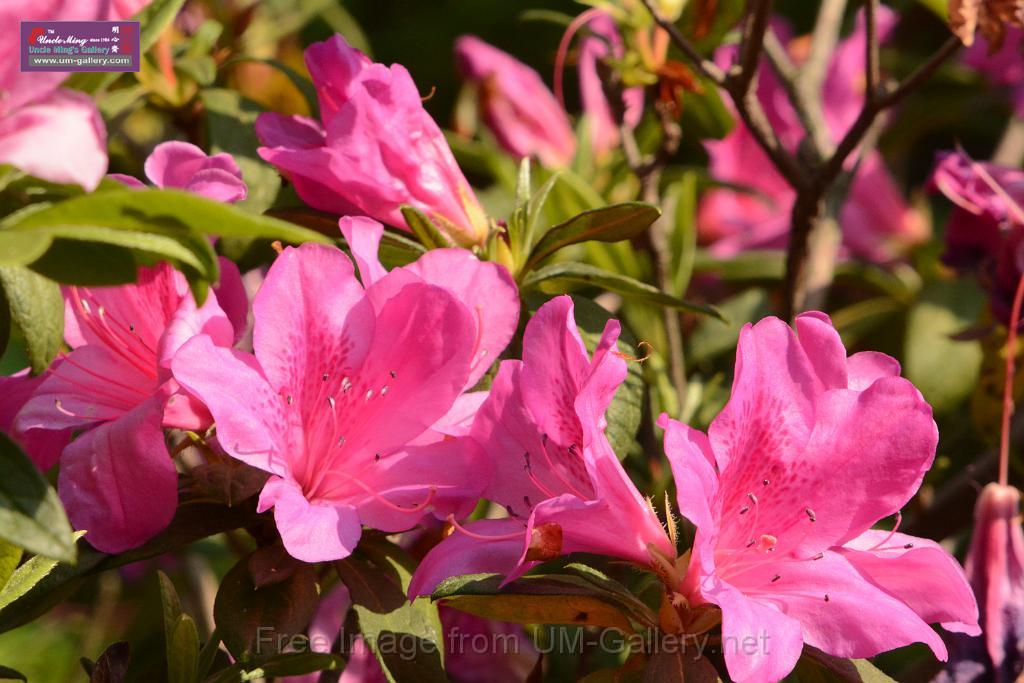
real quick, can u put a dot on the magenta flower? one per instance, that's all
(995, 569)
(117, 480)
(812, 449)
(876, 222)
(542, 427)
(374, 149)
(986, 228)
(47, 131)
(353, 399)
(184, 166)
(515, 104)
(602, 42)
(43, 447)
(1003, 68)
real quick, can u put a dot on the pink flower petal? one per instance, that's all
(312, 532)
(60, 138)
(250, 415)
(460, 554)
(118, 481)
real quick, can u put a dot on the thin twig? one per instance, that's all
(807, 109)
(871, 60)
(705, 67)
(753, 40)
(823, 42)
(1010, 151)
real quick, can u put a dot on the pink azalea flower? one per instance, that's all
(49, 132)
(184, 166)
(353, 399)
(1004, 68)
(117, 480)
(995, 569)
(812, 449)
(986, 228)
(602, 42)
(43, 447)
(374, 149)
(876, 222)
(515, 104)
(542, 426)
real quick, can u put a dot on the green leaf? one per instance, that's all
(37, 308)
(10, 557)
(182, 638)
(943, 369)
(230, 119)
(377, 576)
(31, 515)
(39, 584)
(257, 623)
(607, 224)
(9, 674)
(585, 274)
(704, 114)
(183, 651)
(288, 664)
(532, 600)
(34, 573)
(426, 232)
(153, 224)
(815, 666)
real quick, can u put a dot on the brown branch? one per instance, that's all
(707, 68)
(872, 68)
(753, 40)
(823, 42)
(807, 109)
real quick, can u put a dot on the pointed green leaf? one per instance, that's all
(532, 600)
(10, 557)
(585, 274)
(31, 515)
(183, 651)
(426, 232)
(9, 674)
(37, 308)
(377, 576)
(606, 224)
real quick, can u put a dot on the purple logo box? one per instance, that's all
(80, 46)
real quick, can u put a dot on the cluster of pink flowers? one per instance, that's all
(357, 394)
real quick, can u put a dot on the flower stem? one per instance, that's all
(1011, 367)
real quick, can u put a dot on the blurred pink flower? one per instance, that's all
(182, 165)
(812, 449)
(354, 399)
(542, 427)
(876, 222)
(517, 107)
(603, 41)
(1005, 67)
(374, 149)
(986, 228)
(995, 569)
(117, 480)
(52, 133)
